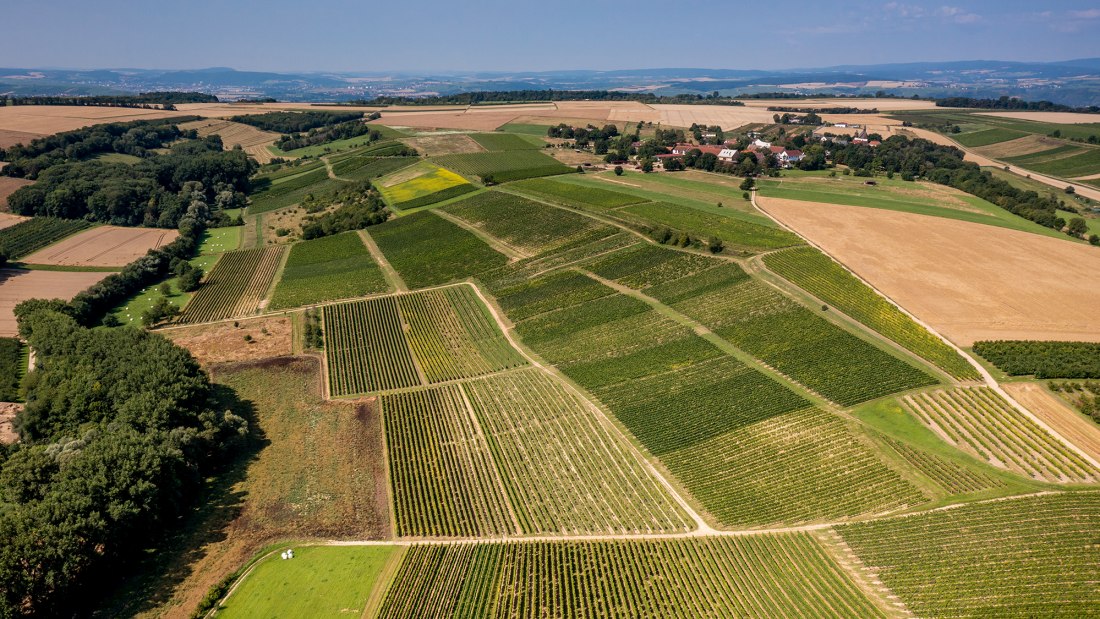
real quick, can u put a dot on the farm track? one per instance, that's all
(497, 244)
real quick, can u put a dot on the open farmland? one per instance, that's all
(103, 246)
(428, 250)
(8, 220)
(8, 186)
(982, 423)
(422, 185)
(1053, 411)
(30, 235)
(43, 120)
(289, 186)
(722, 577)
(506, 142)
(235, 287)
(326, 269)
(1027, 557)
(503, 166)
(969, 282)
(253, 141)
(575, 195)
(17, 285)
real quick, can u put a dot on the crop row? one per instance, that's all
(742, 234)
(365, 347)
(822, 277)
(504, 166)
(328, 268)
(527, 269)
(575, 195)
(235, 286)
(504, 142)
(528, 226)
(787, 336)
(643, 266)
(1029, 557)
(785, 575)
(428, 250)
(369, 168)
(953, 477)
(27, 237)
(979, 421)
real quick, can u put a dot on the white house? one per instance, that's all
(761, 143)
(727, 154)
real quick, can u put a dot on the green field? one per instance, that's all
(985, 137)
(369, 168)
(428, 250)
(504, 166)
(235, 286)
(822, 277)
(291, 189)
(335, 146)
(525, 129)
(734, 232)
(325, 269)
(1027, 557)
(506, 141)
(575, 195)
(320, 581)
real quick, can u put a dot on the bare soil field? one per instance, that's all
(1020, 146)
(8, 185)
(103, 246)
(254, 141)
(969, 281)
(444, 144)
(11, 138)
(223, 343)
(49, 119)
(8, 220)
(1061, 118)
(571, 157)
(446, 120)
(1058, 415)
(17, 286)
(8, 411)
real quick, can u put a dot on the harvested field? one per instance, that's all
(11, 138)
(726, 116)
(969, 281)
(1058, 415)
(254, 141)
(444, 144)
(8, 220)
(8, 185)
(103, 246)
(223, 342)
(1061, 118)
(17, 286)
(1020, 146)
(866, 102)
(49, 119)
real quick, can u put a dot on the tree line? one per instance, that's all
(823, 110)
(295, 122)
(165, 100)
(326, 134)
(1014, 103)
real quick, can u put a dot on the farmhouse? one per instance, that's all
(758, 143)
(787, 157)
(727, 154)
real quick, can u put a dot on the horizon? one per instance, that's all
(601, 36)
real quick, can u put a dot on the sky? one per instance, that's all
(525, 35)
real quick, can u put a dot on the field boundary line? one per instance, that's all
(987, 378)
(388, 272)
(391, 504)
(498, 477)
(497, 244)
(862, 576)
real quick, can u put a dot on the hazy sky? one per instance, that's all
(433, 35)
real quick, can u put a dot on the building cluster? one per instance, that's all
(727, 153)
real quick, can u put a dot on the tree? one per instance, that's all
(1077, 226)
(1070, 190)
(748, 184)
(647, 166)
(715, 245)
(189, 281)
(618, 170)
(1094, 239)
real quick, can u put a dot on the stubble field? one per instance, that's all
(103, 246)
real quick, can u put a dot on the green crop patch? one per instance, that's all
(428, 250)
(1043, 359)
(366, 349)
(575, 195)
(748, 576)
(505, 165)
(31, 235)
(527, 226)
(1067, 164)
(736, 232)
(325, 269)
(985, 137)
(370, 168)
(506, 141)
(822, 277)
(1027, 557)
(430, 184)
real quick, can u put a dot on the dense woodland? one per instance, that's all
(326, 134)
(163, 100)
(358, 207)
(1043, 359)
(295, 122)
(119, 430)
(1013, 103)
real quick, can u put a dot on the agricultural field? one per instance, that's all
(18, 285)
(1026, 557)
(103, 246)
(1058, 412)
(734, 232)
(369, 168)
(785, 575)
(253, 141)
(816, 273)
(503, 166)
(421, 185)
(528, 227)
(495, 142)
(326, 269)
(8, 186)
(27, 237)
(252, 339)
(408, 340)
(980, 422)
(432, 145)
(290, 186)
(13, 365)
(575, 195)
(1043, 359)
(235, 287)
(428, 250)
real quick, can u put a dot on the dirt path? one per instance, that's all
(393, 278)
(497, 244)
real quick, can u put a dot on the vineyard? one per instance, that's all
(235, 286)
(506, 142)
(981, 423)
(504, 166)
(328, 268)
(953, 477)
(291, 189)
(1028, 557)
(1043, 359)
(408, 340)
(575, 195)
(369, 168)
(759, 576)
(27, 237)
(365, 347)
(822, 277)
(529, 227)
(428, 250)
(788, 337)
